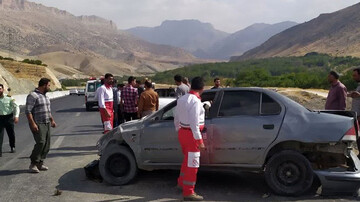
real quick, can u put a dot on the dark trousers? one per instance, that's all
(130, 116)
(120, 113)
(42, 145)
(7, 122)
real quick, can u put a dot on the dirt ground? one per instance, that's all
(314, 99)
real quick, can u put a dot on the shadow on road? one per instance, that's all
(85, 148)
(91, 126)
(161, 185)
(69, 154)
(12, 172)
(72, 110)
(95, 132)
(89, 131)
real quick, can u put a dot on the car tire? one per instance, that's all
(289, 173)
(117, 165)
(88, 107)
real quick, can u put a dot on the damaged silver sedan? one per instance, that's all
(250, 129)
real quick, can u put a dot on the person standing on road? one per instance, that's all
(39, 116)
(336, 99)
(186, 81)
(119, 114)
(216, 83)
(140, 87)
(149, 101)
(129, 99)
(189, 122)
(106, 102)
(355, 95)
(115, 103)
(181, 88)
(9, 114)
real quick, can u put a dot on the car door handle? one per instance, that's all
(269, 126)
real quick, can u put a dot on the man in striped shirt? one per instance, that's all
(38, 113)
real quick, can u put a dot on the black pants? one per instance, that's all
(130, 116)
(7, 122)
(120, 113)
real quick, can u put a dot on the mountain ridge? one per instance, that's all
(336, 33)
(204, 41)
(31, 29)
(189, 34)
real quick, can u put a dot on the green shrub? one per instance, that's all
(309, 71)
(8, 58)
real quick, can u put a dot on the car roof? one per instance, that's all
(93, 81)
(282, 98)
(238, 88)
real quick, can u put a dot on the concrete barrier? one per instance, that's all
(21, 99)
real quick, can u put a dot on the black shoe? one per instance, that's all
(13, 150)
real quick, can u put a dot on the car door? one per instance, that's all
(246, 123)
(159, 139)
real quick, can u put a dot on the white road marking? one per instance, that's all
(77, 114)
(58, 142)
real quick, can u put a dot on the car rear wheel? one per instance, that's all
(117, 165)
(289, 173)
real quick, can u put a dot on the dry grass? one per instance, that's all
(29, 72)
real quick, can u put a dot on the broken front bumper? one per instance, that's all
(334, 182)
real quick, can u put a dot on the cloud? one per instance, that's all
(226, 15)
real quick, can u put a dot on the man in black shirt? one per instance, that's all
(216, 83)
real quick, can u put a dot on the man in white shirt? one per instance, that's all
(189, 122)
(106, 101)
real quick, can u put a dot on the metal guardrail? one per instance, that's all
(21, 99)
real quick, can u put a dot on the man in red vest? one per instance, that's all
(105, 101)
(189, 122)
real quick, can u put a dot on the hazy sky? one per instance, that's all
(225, 15)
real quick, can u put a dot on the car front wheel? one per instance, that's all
(289, 173)
(117, 165)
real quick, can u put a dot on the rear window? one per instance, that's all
(93, 86)
(269, 106)
(165, 92)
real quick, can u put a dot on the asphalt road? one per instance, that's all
(73, 147)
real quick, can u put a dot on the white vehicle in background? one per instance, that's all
(73, 91)
(81, 92)
(91, 86)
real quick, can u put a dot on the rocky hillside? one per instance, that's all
(191, 35)
(246, 39)
(32, 29)
(335, 33)
(23, 78)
